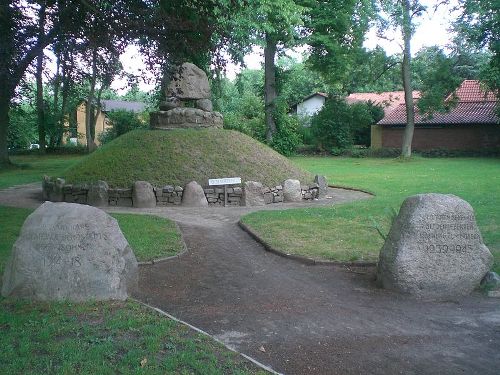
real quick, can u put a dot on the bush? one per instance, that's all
(364, 116)
(331, 127)
(253, 127)
(287, 138)
(338, 126)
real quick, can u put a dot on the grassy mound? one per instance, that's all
(177, 157)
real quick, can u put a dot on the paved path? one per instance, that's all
(308, 319)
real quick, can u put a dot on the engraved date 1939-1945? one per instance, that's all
(445, 249)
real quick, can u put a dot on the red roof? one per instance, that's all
(474, 106)
(388, 100)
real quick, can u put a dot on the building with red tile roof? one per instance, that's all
(472, 123)
(387, 100)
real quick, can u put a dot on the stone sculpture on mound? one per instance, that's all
(189, 86)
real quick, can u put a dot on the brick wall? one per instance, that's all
(457, 138)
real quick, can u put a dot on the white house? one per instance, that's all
(310, 105)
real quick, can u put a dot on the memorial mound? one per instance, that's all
(177, 157)
(434, 249)
(67, 251)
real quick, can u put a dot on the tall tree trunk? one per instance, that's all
(64, 102)
(55, 139)
(40, 105)
(89, 108)
(407, 84)
(4, 126)
(97, 111)
(270, 86)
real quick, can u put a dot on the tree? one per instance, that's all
(274, 25)
(20, 44)
(479, 25)
(400, 15)
(336, 31)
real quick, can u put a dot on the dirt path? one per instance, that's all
(308, 319)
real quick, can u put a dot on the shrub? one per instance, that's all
(253, 127)
(331, 127)
(287, 138)
(338, 126)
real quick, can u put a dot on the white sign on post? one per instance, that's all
(224, 181)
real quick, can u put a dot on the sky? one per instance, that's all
(432, 29)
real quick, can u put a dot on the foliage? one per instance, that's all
(287, 138)
(364, 115)
(479, 24)
(336, 34)
(296, 80)
(242, 105)
(123, 121)
(345, 232)
(339, 125)
(331, 126)
(23, 127)
(437, 75)
(374, 71)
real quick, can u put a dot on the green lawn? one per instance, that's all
(105, 338)
(150, 237)
(31, 168)
(348, 232)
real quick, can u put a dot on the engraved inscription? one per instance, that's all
(59, 244)
(447, 233)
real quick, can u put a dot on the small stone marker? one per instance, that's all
(292, 191)
(98, 194)
(434, 249)
(68, 251)
(322, 185)
(253, 194)
(194, 196)
(143, 195)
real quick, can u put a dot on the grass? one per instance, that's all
(105, 338)
(31, 168)
(150, 237)
(348, 232)
(177, 157)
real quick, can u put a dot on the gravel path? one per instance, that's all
(302, 319)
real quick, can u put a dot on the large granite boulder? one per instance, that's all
(68, 251)
(143, 195)
(189, 82)
(98, 194)
(292, 191)
(194, 196)
(434, 249)
(253, 194)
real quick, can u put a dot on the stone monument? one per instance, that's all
(189, 87)
(434, 249)
(68, 251)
